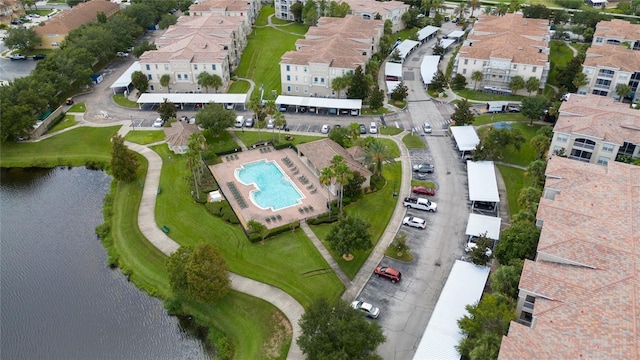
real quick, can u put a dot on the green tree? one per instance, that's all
(22, 39)
(532, 84)
(623, 90)
(340, 135)
(498, 140)
(165, 79)
(476, 76)
(506, 278)
(359, 88)
(342, 175)
(376, 155)
(124, 163)
(207, 80)
(502, 9)
(93, 38)
(140, 81)
(388, 27)
(473, 5)
(395, 56)
(257, 110)
(400, 92)
(296, 10)
(533, 107)
(167, 20)
(167, 110)
(326, 178)
(310, 13)
(520, 241)
(376, 98)
(353, 189)
(256, 227)
(199, 273)
(338, 9)
(354, 131)
(462, 115)
(479, 255)
(529, 196)
(438, 49)
(348, 235)
(279, 121)
(567, 74)
(588, 34)
(144, 46)
(338, 84)
(490, 316)
(540, 143)
(399, 244)
(580, 80)
(333, 330)
(197, 144)
(101, 17)
(459, 82)
(517, 83)
(215, 118)
(144, 15)
(439, 82)
(536, 171)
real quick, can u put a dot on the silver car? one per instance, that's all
(426, 127)
(371, 311)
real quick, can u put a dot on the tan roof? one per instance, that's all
(195, 48)
(78, 15)
(375, 7)
(179, 132)
(507, 37)
(352, 27)
(619, 29)
(336, 51)
(224, 5)
(599, 116)
(613, 56)
(588, 307)
(220, 29)
(322, 151)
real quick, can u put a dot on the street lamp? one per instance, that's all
(395, 194)
(261, 94)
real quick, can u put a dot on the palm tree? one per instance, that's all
(256, 107)
(216, 82)
(205, 80)
(516, 83)
(164, 81)
(476, 76)
(278, 122)
(354, 131)
(342, 174)
(377, 153)
(473, 4)
(532, 84)
(270, 107)
(340, 83)
(197, 144)
(326, 179)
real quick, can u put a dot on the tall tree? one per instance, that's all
(533, 107)
(529, 196)
(310, 13)
(623, 90)
(216, 82)
(140, 81)
(536, 171)
(400, 92)
(473, 5)
(567, 74)
(205, 80)
(296, 9)
(516, 83)
(197, 144)
(165, 79)
(459, 82)
(376, 155)
(354, 131)
(359, 88)
(326, 178)
(338, 84)
(491, 315)
(333, 330)
(256, 107)
(520, 241)
(376, 98)
(540, 143)
(279, 122)
(348, 235)
(167, 110)
(462, 115)
(580, 80)
(124, 163)
(439, 82)
(506, 279)
(340, 135)
(498, 140)
(342, 175)
(215, 118)
(22, 39)
(532, 84)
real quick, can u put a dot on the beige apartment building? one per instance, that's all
(248, 10)
(335, 47)
(503, 47)
(596, 129)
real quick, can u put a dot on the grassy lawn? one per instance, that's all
(494, 118)
(124, 102)
(581, 47)
(304, 275)
(252, 137)
(221, 143)
(559, 56)
(526, 154)
(239, 87)
(377, 209)
(144, 137)
(482, 96)
(379, 111)
(78, 107)
(68, 121)
(73, 148)
(389, 130)
(413, 142)
(428, 184)
(263, 16)
(514, 181)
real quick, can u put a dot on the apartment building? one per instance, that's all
(332, 49)
(366, 9)
(247, 9)
(578, 299)
(502, 47)
(617, 32)
(596, 129)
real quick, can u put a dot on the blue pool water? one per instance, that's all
(273, 189)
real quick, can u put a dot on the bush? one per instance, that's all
(223, 210)
(56, 121)
(323, 219)
(377, 182)
(224, 347)
(254, 238)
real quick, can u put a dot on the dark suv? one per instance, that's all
(389, 273)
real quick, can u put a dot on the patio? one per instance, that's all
(314, 194)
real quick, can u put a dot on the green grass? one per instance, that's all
(559, 56)
(124, 102)
(68, 121)
(428, 184)
(252, 137)
(404, 34)
(220, 143)
(379, 111)
(239, 87)
(304, 275)
(482, 96)
(389, 130)
(73, 148)
(263, 16)
(514, 181)
(399, 104)
(526, 154)
(406, 256)
(494, 118)
(144, 137)
(78, 108)
(581, 47)
(413, 142)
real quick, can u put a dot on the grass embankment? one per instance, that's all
(239, 87)
(78, 108)
(526, 154)
(389, 130)
(144, 137)
(494, 118)
(67, 122)
(483, 96)
(514, 181)
(413, 142)
(559, 56)
(121, 100)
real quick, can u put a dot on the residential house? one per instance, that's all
(177, 136)
(596, 129)
(248, 10)
(503, 47)
(617, 32)
(58, 27)
(335, 47)
(578, 299)
(317, 155)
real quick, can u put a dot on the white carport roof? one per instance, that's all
(445, 43)
(464, 287)
(465, 136)
(391, 85)
(179, 98)
(393, 69)
(125, 79)
(428, 68)
(319, 102)
(405, 47)
(481, 176)
(427, 31)
(481, 224)
(456, 34)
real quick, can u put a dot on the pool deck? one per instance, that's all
(315, 199)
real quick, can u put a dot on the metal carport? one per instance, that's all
(181, 98)
(324, 103)
(125, 79)
(483, 186)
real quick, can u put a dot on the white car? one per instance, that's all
(271, 124)
(426, 127)
(158, 123)
(415, 222)
(325, 129)
(471, 244)
(371, 311)
(373, 128)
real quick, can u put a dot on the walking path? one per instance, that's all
(326, 255)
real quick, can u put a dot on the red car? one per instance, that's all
(389, 273)
(424, 190)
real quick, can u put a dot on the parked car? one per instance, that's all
(388, 273)
(271, 124)
(415, 222)
(158, 123)
(18, 57)
(229, 106)
(122, 54)
(426, 127)
(325, 129)
(283, 108)
(420, 176)
(471, 244)
(420, 204)
(423, 168)
(34, 16)
(373, 128)
(248, 122)
(239, 121)
(371, 311)
(355, 112)
(39, 56)
(424, 190)
(363, 129)
(312, 109)
(184, 118)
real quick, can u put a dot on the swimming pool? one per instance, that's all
(274, 190)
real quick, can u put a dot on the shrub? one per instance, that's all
(323, 219)
(273, 232)
(377, 182)
(223, 210)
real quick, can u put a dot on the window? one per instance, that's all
(584, 143)
(602, 160)
(466, 61)
(600, 92)
(150, 77)
(305, 69)
(606, 73)
(627, 148)
(195, 66)
(607, 147)
(474, 62)
(562, 137)
(179, 76)
(156, 66)
(515, 66)
(288, 88)
(148, 67)
(166, 67)
(297, 89)
(213, 66)
(598, 40)
(321, 80)
(464, 71)
(152, 88)
(288, 67)
(186, 76)
(534, 69)
(582, 155)
(288, 77)
(315, 80)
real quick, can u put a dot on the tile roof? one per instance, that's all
(352, 27)
(336, 51)
(322, 151)
(587, 299)
(508, 37)
(599, 116)
(195, 48)
(218, 28)
(225, 5)
(373, 6)
(78, 15)
(613, 56)
(178, 134)
(618, 28)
